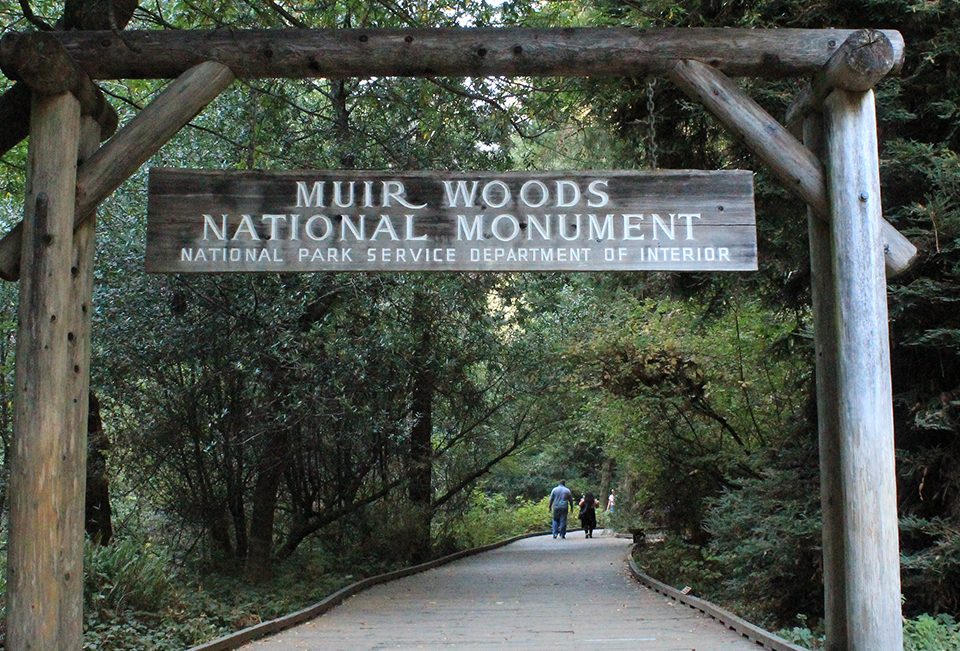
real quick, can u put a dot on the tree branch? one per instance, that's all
(37, 22)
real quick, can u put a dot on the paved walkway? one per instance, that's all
(538, 593)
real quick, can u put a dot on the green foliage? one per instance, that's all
(493, 517)
(801, 635)
(690, 396)
(697, 387)
(930, 562)
(765, 542)
(138, 597)
(922, 633)
(927, 633)
(678, 563)
(126, 575)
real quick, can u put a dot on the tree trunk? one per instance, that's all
(269, 474)
(97, 510)
(219, 532)
(421, 445)
(238, 516)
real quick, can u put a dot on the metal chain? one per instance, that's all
(651, 125)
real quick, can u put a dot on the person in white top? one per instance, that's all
(610, 501)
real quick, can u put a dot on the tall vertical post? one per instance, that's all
(77, 313)
(822, 287)
(864, 393)
(36, 576)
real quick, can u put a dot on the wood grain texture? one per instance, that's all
(137, 141)
(73, 480)
(796, 167)
(866, 57)
(455, 52)
(864, 394)
(36, 576)
(41, 62)
(822, 288)
(434, 236)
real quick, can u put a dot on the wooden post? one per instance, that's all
(825, 347)
(864, 394)
(866, 57)
(137, 141)
(35, 569)
(78, 386)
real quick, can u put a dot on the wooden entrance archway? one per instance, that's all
(836, 174)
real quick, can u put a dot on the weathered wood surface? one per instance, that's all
(822, 288)
(795, 165)
(78, 312)
(40, 61)
(541, 221)
(865, 58)
(864, 394)
(455, 52)
(36, 575)
(528, 595)
(137, 141)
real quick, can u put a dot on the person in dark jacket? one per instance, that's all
(588, 514)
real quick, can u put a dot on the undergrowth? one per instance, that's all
(138, 596)
(493, 517)
(683, 565)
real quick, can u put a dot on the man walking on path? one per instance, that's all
(560, 502)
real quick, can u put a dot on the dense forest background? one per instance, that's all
(257, 441)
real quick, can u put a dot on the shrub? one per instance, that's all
(930, 561)
(678, 563)
(493, 517)
(928, 633)
(923, 633)
(126, 575)
(765, 543)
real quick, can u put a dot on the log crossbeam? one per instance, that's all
(797, 167)
(137, 141)
(54, 89)
(866, 57)
(300, 53)
(40, 61)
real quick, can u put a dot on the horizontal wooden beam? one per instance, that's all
(866, 57)
(137, 141)
(40, 61)
(455, 52)
(797, 168)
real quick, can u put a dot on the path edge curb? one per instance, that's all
(257, 631)
(743, 627)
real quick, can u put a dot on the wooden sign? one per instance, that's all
(222, 221)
